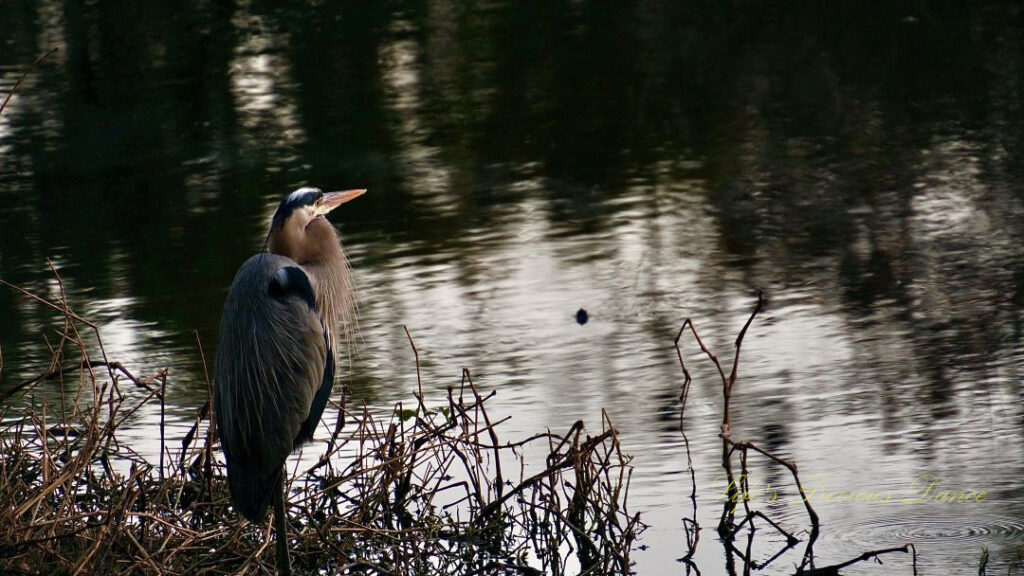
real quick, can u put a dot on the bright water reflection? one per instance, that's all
(645, 162)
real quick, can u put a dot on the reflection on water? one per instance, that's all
(645, 162)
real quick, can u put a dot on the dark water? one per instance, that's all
(863, 165)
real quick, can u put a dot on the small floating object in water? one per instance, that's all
(582, 317)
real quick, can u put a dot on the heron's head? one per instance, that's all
(299, 229)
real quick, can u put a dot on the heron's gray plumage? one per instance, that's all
(278, 340)
(277, 354)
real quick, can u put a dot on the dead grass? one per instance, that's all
(425, 490)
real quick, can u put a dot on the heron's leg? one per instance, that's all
(284, 564)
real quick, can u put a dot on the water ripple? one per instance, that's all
(979, 529)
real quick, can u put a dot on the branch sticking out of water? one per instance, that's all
(737, 490)
(873, 554)
(690, 525)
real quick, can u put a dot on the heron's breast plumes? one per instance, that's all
(328, 269)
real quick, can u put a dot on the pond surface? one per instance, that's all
(647, 162)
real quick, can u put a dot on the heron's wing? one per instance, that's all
(288, 282)
(316, 409)
(272, 368)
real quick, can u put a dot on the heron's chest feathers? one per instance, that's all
(335, 294)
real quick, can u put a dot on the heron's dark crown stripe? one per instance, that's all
(289, 281)
(301, 197)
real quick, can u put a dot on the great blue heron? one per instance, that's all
(277, 351)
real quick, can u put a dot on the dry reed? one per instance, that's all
(425, 490)
(738, 488)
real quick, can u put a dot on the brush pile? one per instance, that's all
(428, 489)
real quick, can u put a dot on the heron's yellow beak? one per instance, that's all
(332, 200)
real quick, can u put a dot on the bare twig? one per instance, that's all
(834, 569)
(737, 490)
(21, 79)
